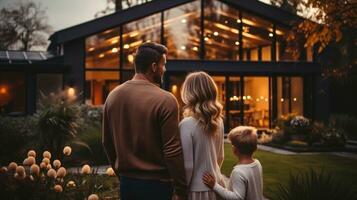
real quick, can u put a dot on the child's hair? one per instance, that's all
(244, 138)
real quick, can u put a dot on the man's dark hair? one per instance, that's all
(146, 54)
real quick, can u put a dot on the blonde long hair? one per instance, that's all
(199, 94)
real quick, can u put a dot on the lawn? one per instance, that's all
(276, 167)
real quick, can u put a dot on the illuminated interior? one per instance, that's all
(12, 92)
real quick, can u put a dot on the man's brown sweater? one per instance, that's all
(140, 133)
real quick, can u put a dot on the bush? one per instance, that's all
(296, 143)
(333, 137)
(346, 123)
(16, 134)
(313, 185)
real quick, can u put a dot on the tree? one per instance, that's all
(117, 5)
(330, 27)
(23, 27)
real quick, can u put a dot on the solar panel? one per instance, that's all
(16, 55)
(34, 56)
(3, 55)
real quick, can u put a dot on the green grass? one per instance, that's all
(276, 167)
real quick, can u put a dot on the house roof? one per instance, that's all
(23, 57)
(113, 20)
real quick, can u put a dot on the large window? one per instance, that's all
(182, 31)
(257, 38)
(102, 50)
(290, 96)
(99, 84)
(138, 32)
(12, 92)
(221, 29)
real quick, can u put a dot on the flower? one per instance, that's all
(25, 162)
(43, 165)
(46, 160)
(35, 169)
(51, 173)
(19, 177)
(85, 169)
(31, 160)
(20, 170)
(31, 153)
(3, 170)
(67, 150)
(12, 166)
(31, 178)
(47, 154)
(61, 172)
(56, 164)
(58, 188)
(93, 197)
(48, 166)
(71, 184)
(110, 172)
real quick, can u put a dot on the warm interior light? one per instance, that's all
(239, 21)
(114, 41)
(206, 38)
(183, 21)
(114, 50)
(130, 58)
(282, 100)
(91, 49)
(3, 90)
(134, 33)
(195, 48)
(237, 43)
(126, 46)
(215, 33)
(101, 55)
(295, 99)
(183, 47)
(271, 34)
(174, 89)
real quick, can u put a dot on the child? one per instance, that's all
(246, 180)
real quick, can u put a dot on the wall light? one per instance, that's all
(71, 92)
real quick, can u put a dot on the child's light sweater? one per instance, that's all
(246, 183)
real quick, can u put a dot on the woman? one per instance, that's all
(201, 133)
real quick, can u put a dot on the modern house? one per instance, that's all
(243, 44)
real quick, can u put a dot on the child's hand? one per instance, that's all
(209, 180)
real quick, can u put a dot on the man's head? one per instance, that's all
(150, 59)
(244, 140)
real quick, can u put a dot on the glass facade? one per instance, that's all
(47, 85)
(182, 31)
(218, 32)
(221, 29)
(12, 92)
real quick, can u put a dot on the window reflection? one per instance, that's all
(257, 38)
(234, 93)
(102, 50)
(221, 31)
(99, 84)
(182, 31)
(12, 92)
(48, 84)
(290, 95)
(137, 32)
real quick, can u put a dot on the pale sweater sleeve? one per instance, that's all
(220, 156)
(187, 147)
(238, 187)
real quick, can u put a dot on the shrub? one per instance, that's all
(346, 123)
(296, 143)
(16, 134)
(312, 185)
(333, 137)
(300, 125)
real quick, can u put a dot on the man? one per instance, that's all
(140, 132)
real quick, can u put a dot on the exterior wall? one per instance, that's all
(74, 55)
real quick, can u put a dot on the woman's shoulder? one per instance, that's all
(188, 122)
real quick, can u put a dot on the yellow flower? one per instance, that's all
(31, 160)
(110, 172)
(93, 197)
(51, 173)
(47, 154)
(12, 166)
(86, 169)
(35, 169)
(67, 150)
(43, 165)
(61, 172)
(46, 160)
(48, 166)
(56, 164)
(31, 153)
(71, 184)
(3, 170)
(20, 170)
(58, 188)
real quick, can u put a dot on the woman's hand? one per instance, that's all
(209, 180)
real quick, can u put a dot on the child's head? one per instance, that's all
(244, 139)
